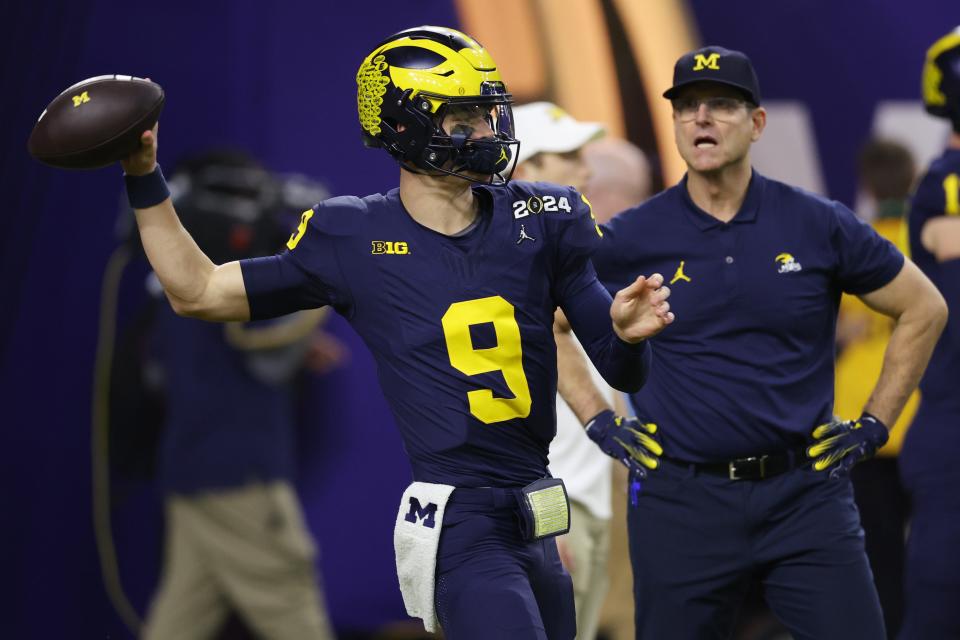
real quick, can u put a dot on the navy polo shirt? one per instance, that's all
(748, 365)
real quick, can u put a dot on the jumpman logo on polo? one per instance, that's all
(680, 275)
(524, 236)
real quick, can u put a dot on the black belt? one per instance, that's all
(494, 497)
(750, 468)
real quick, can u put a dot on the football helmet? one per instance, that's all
(941, 78)
(414, 81)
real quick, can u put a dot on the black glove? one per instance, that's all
(626, 439)
(843, 443)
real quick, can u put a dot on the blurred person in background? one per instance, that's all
(750, 490)
(236, 540)
(451, 280)
(620, 178)
(886, 174)
(928, 462)
(551, 145)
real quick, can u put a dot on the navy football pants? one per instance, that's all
(492, 584)
(698, 540)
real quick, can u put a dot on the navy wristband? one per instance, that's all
(880, 433)
(874, 418)
(147, 191)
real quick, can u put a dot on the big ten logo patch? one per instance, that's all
(386, 247)
(426, 515)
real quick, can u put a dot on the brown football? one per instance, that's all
(96, 122)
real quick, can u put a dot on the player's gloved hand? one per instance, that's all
(626, 439)
(843, 443)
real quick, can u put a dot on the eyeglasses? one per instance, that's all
(723, 109)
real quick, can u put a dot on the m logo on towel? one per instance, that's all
(426, 514)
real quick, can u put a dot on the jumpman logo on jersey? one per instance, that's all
(680, 275)
(524, 236)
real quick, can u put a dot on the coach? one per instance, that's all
(751, 488)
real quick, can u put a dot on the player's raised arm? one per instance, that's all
(194, 285)
(620, 437)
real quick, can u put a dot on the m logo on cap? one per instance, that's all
(707, 62)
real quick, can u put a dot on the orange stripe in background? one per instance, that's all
(578, 49)
(509, 32)
(541, 57)
(660, 31)
(559, 50)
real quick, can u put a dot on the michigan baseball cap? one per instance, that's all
(715, 64)
(543, 127)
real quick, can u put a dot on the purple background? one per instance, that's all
(278, 79)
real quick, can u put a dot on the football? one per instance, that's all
(96, 122)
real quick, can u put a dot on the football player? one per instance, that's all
(452, 281)
(927, 463)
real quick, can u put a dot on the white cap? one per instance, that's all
(543, 127)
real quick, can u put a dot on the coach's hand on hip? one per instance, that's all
(640, 310)
(843, 443)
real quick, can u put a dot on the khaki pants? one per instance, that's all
(246, 550)
(588, 544)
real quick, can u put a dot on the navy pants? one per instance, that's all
(698, 541)
(933, 560)
(884, 513)
(492, 584)
(928, 466)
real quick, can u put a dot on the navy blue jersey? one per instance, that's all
(930, 446)
(460, 327)
(937, 195)
(747, 367)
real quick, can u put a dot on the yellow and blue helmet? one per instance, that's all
(412, 80)
(941, 78)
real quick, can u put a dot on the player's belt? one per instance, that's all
(749, 468)
(493, 497)
(543, 507)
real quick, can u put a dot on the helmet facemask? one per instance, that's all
(473, 139)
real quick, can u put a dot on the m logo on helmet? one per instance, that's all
(711, 61)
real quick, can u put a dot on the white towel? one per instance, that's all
(415, 540)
